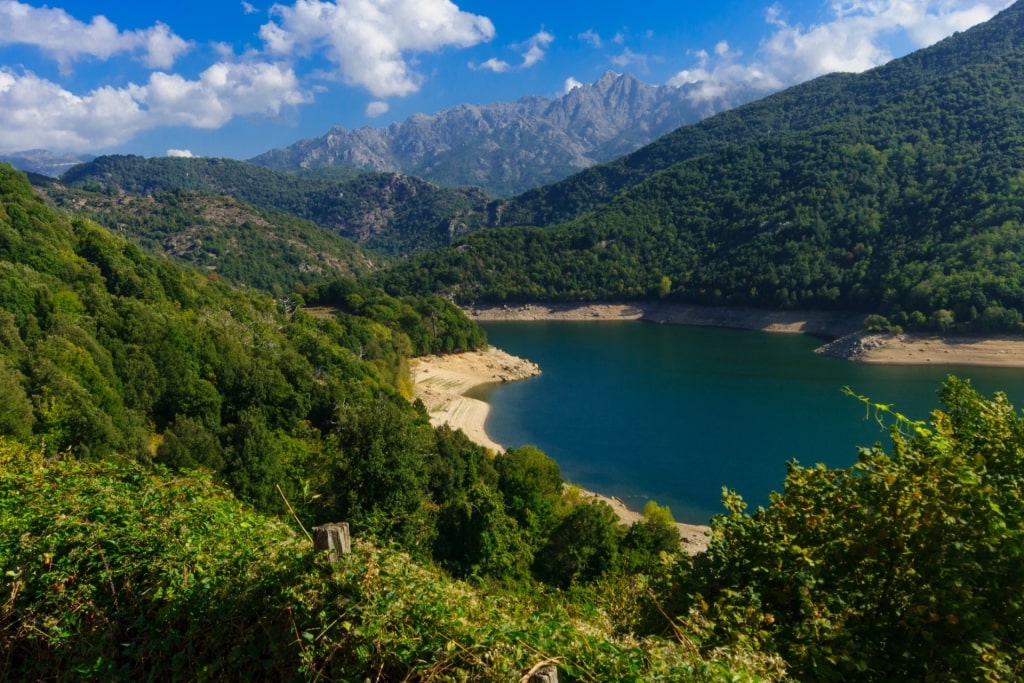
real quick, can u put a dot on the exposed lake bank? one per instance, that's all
(849, 341)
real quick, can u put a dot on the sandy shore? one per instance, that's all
(923, 349)
(850, 341)
(823, 323)
(441, 383)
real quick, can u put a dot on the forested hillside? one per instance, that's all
(112, 357)
(909, 207)
(826, 100)
(387, 212)
(222, 236)
(165, 438)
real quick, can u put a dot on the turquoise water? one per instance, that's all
(674, 413)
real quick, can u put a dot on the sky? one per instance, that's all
(235, 78)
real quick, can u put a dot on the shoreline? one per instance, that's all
(849, 340)
(441, 382)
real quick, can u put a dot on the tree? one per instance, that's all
(648, 538)
(531, 485)
(582, 547)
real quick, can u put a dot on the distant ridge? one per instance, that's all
(507, 148)
(44, 162)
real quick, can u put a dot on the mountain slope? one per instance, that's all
(506, 148)
(801, 108)
(383, 211)
(911, 208)
(269, 250)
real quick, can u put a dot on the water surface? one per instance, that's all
(674, 413)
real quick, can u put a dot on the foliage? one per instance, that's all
(112, 572)
(433, 325)
(904, 566)
(109, 353)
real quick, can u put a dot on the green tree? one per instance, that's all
(582, 547)
(531, 485)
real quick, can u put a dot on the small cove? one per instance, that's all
(674, 413)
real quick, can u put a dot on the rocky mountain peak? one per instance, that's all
(508, 147)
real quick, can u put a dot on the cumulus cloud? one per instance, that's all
(376, 108)
(856, 37)
(249, 8)
(65, 39)
(571, 84)
(35, 112)
(371, 42)
(181, 153)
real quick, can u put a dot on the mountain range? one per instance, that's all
(509, 147)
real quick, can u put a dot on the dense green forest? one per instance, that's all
(908, 205)
(385, 212)
(112, 357)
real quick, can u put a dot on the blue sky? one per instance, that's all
(238, 77)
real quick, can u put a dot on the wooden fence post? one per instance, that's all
(333, 538)
(544, 672)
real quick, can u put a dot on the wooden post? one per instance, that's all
(544, 672)
(332, 538)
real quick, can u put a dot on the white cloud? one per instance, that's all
(35, 112)
(66, 39)
(571, 84)
(370, 41)
(629, 58)
(589, 36)
(376, 108)
(181, 153)
(494, 64)
(857, 37)
(249, 8)
(533, 49)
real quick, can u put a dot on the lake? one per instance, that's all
(674, 413)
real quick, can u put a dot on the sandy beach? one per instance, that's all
(441, 383)
(925, 349)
